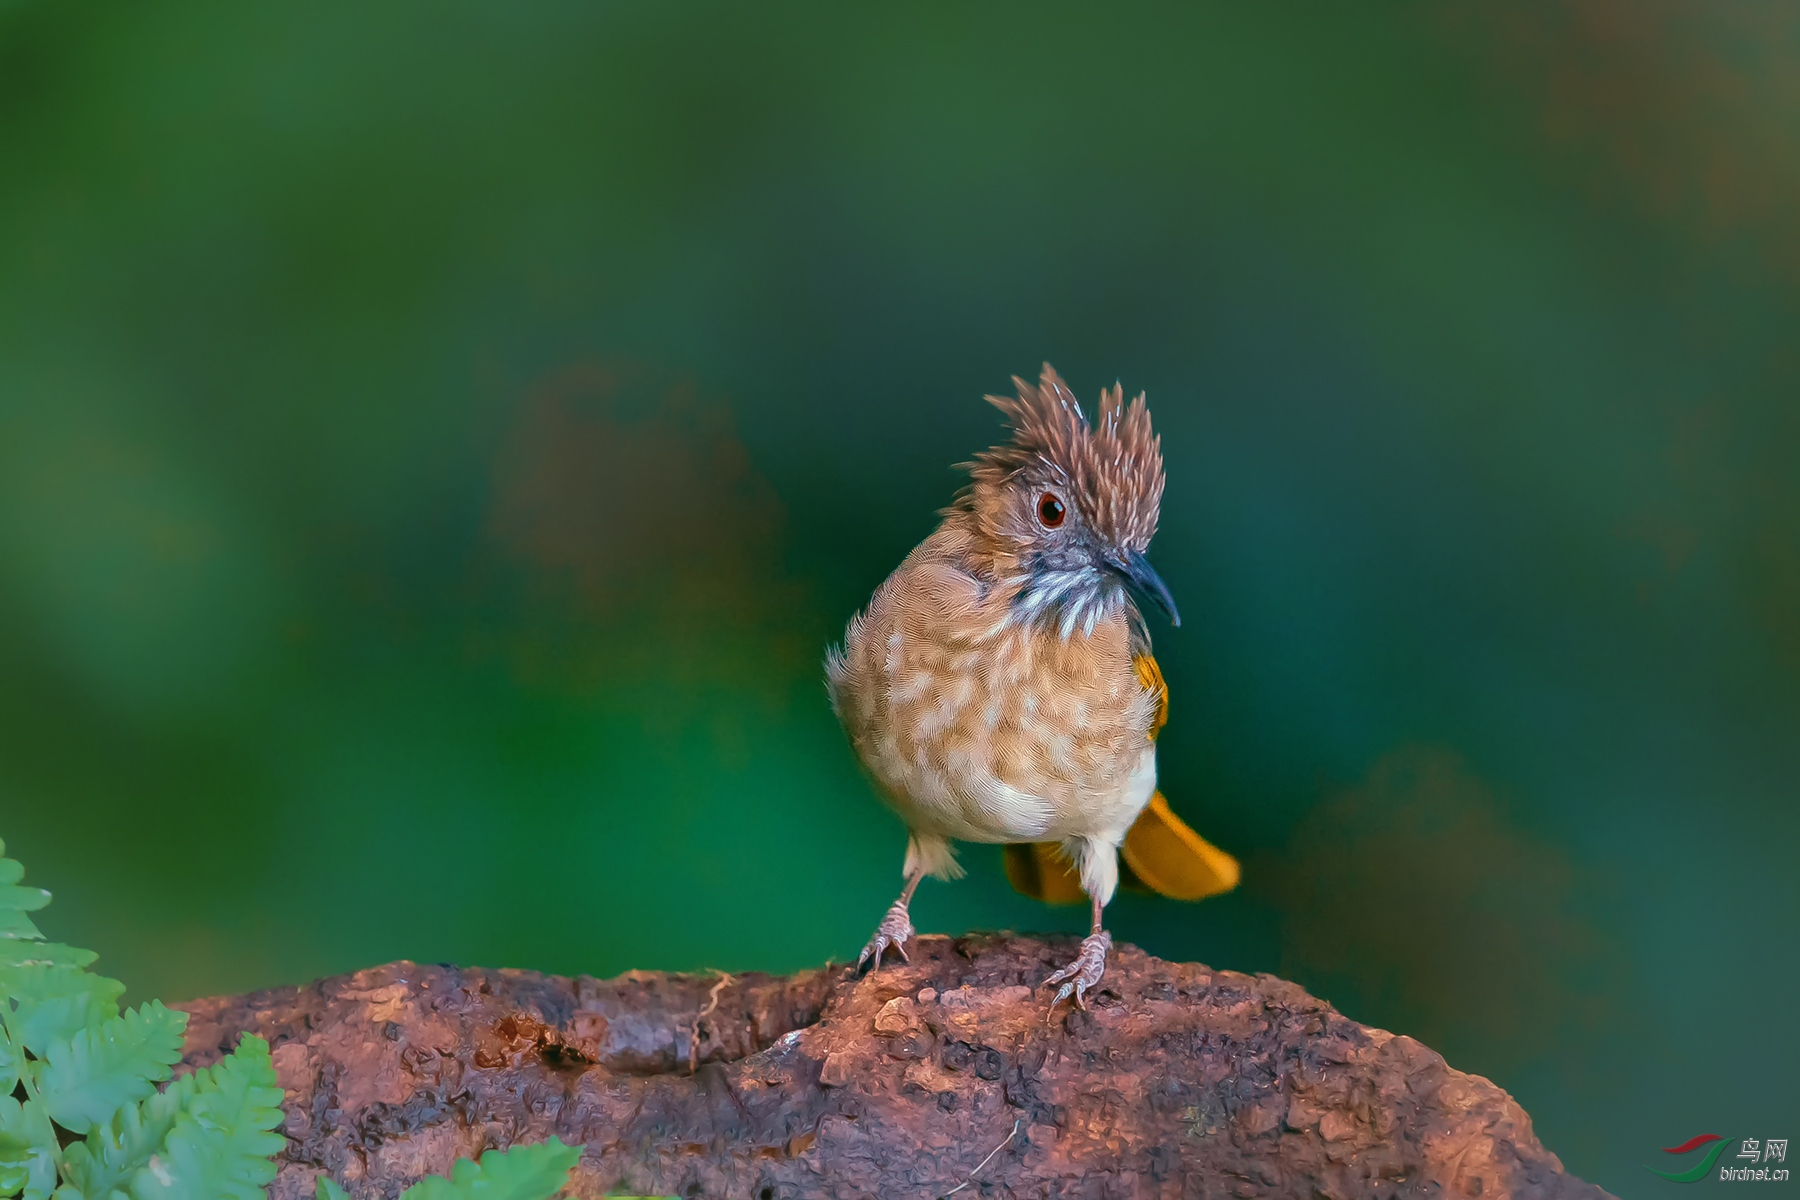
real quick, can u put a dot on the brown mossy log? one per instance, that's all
(1181, 1081)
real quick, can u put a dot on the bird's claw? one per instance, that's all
(1084, 972)
(895, 930)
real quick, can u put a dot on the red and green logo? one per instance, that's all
(1700, 1169)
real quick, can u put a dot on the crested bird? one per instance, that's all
(999, 686)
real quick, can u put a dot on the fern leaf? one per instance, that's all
(12, 1061)
(28, 1150)
(534, 1172)
(18, 952)
(16, 901)
(219, 1146)
(85, 1080)
(55, 1003)
(113, 1152)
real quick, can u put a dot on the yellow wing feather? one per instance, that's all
(1150, 675)
(1160, 850)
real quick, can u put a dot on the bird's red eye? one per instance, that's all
(1050, 510)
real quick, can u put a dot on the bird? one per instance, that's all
(999, 685)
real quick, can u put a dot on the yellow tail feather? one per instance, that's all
(1172, 859)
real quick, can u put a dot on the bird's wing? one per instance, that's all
(1162, 854)
(1150, 675)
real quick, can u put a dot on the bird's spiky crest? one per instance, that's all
(1113, 467)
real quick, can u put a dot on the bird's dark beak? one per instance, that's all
(1146, 582)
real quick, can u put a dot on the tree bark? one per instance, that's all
(922, 1078)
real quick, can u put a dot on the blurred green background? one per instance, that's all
(437, 444)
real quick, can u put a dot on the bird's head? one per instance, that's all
(1067, 508)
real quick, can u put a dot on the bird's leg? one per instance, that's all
(895, 929)
(1089, 965)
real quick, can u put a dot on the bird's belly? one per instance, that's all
(979, 753)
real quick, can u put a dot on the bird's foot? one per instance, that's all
(1084, 972)
(895, 930)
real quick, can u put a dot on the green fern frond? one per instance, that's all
(207, 1136)
(94, 1070)
(28, 1150)
(113, 1152)
(534, 1172)
(20, 953)
(219, 1145)
(16, 901)
(522, 1173)
(12, 1061)
(85, 1080)
(54, 1003)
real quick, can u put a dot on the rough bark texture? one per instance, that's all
(1181, 1081)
